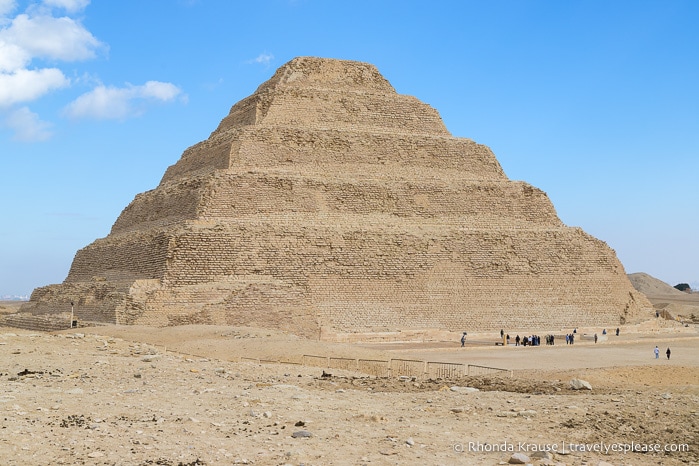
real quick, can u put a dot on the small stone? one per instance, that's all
(95, 454)
(410, 441)
(578, 384)
(302, 434)
(518, 458)
(542, 454)
(666, 396)
(463, 389)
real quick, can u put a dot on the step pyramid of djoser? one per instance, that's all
(232, 195)
(327, 200)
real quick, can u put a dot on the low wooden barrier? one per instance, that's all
(407, 367)
(444, 370)
(374, 367)
(343, 363)
(315, 361)
(474, 369)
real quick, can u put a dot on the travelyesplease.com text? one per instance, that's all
(599, 447)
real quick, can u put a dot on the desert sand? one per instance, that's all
(181, 396)
(210, 395)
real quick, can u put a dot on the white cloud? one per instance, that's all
(71, 6)
(45, 31)
(263, 58)
(7, 6)
(119, 103)
(26, 85)
(159, 90)
(12, 57)
(26, 38)
(48, 37)
(27, 126)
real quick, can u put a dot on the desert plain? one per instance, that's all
(215, 395)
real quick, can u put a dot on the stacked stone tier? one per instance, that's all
(331, 150)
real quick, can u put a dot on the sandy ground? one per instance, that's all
(179, 396)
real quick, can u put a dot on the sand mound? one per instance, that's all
(652, 287)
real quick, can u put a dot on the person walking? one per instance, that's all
(463, 339)
(668, 353)
(657, 352)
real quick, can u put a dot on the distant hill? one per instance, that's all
(667, 298)
(651, 286)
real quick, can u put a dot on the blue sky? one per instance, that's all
(594, 102)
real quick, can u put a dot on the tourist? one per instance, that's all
(502, 333)
(463, 339)
(595, 338)
(657, 352)
(572, 338)
(567, 339)
(617, 331)
(508, 338)
(668, 353)
(517, 341)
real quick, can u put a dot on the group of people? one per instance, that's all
(535, 340)
(531, 340)
(656, 351)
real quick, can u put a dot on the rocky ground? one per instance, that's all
(138, 396)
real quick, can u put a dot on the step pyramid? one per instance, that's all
(327, 203)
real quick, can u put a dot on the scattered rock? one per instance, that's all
(302, 434)
(578, 384)
(458, 389)
(542, 454)
(518, 458)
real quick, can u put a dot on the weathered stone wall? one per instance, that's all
(131, 256)
(364, 153)
(170, 204)
(484, 204)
